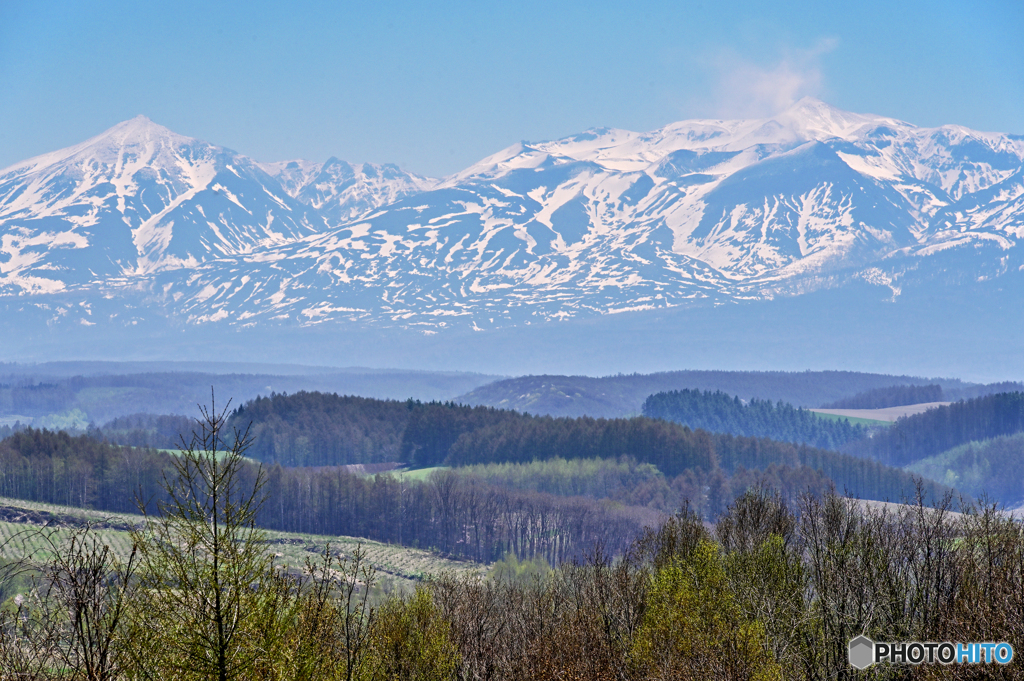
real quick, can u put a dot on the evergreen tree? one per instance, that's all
(208, 595)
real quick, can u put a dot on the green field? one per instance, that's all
(26, 538)
(220, 454)
(416, 474)
(854, 421)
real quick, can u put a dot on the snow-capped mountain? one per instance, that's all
(342, 191)
(133, 201)
(605, 221)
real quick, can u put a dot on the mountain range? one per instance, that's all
(142, 227)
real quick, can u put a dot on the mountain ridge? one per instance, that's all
(697, 213)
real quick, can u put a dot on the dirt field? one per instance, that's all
(888, 414)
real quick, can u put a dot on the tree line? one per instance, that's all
(459, 514)
(932, 432)
(57, 468)
(628, 482)
(892, 396)
(772, 591)
(718, 412)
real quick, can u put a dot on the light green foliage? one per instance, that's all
(525, 572)
(410, 639)
(695, 627)
(210, 604)
(71, 420)
(978, 468)
(770, 584)
(416, 474)
(598, 478)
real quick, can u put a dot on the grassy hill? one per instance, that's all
(24, 526)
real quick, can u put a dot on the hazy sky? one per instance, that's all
(435, 86)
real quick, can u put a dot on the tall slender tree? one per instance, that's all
(204, 565)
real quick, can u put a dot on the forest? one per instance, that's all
(937, 430)
(309, 429)
(449, 513)
(623, 548)
(892, 396)
(772, 591)
(719, 412)
(459, 514)
(313, 431)
(433, 434)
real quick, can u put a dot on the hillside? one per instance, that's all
(984, 467)
(719, 413)
(988, 468)
(624, 395)
(937, 430)
(99, 391)
(25, 525)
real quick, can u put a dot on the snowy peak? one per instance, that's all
(139, 137)
(627, 151)
(134, 200)
(600, 222)
(812, 119)
(139, 131)
(342, 191)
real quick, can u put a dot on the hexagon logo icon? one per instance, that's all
(861, 652)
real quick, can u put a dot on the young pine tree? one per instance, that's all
(209, 602)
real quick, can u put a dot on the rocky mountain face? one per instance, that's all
(697, 213)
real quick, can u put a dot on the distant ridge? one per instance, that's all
(624, 395)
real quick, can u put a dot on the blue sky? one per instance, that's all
(436, 86)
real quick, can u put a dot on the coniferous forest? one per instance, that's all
(940, 429)
(892, 396)
(722, 413)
